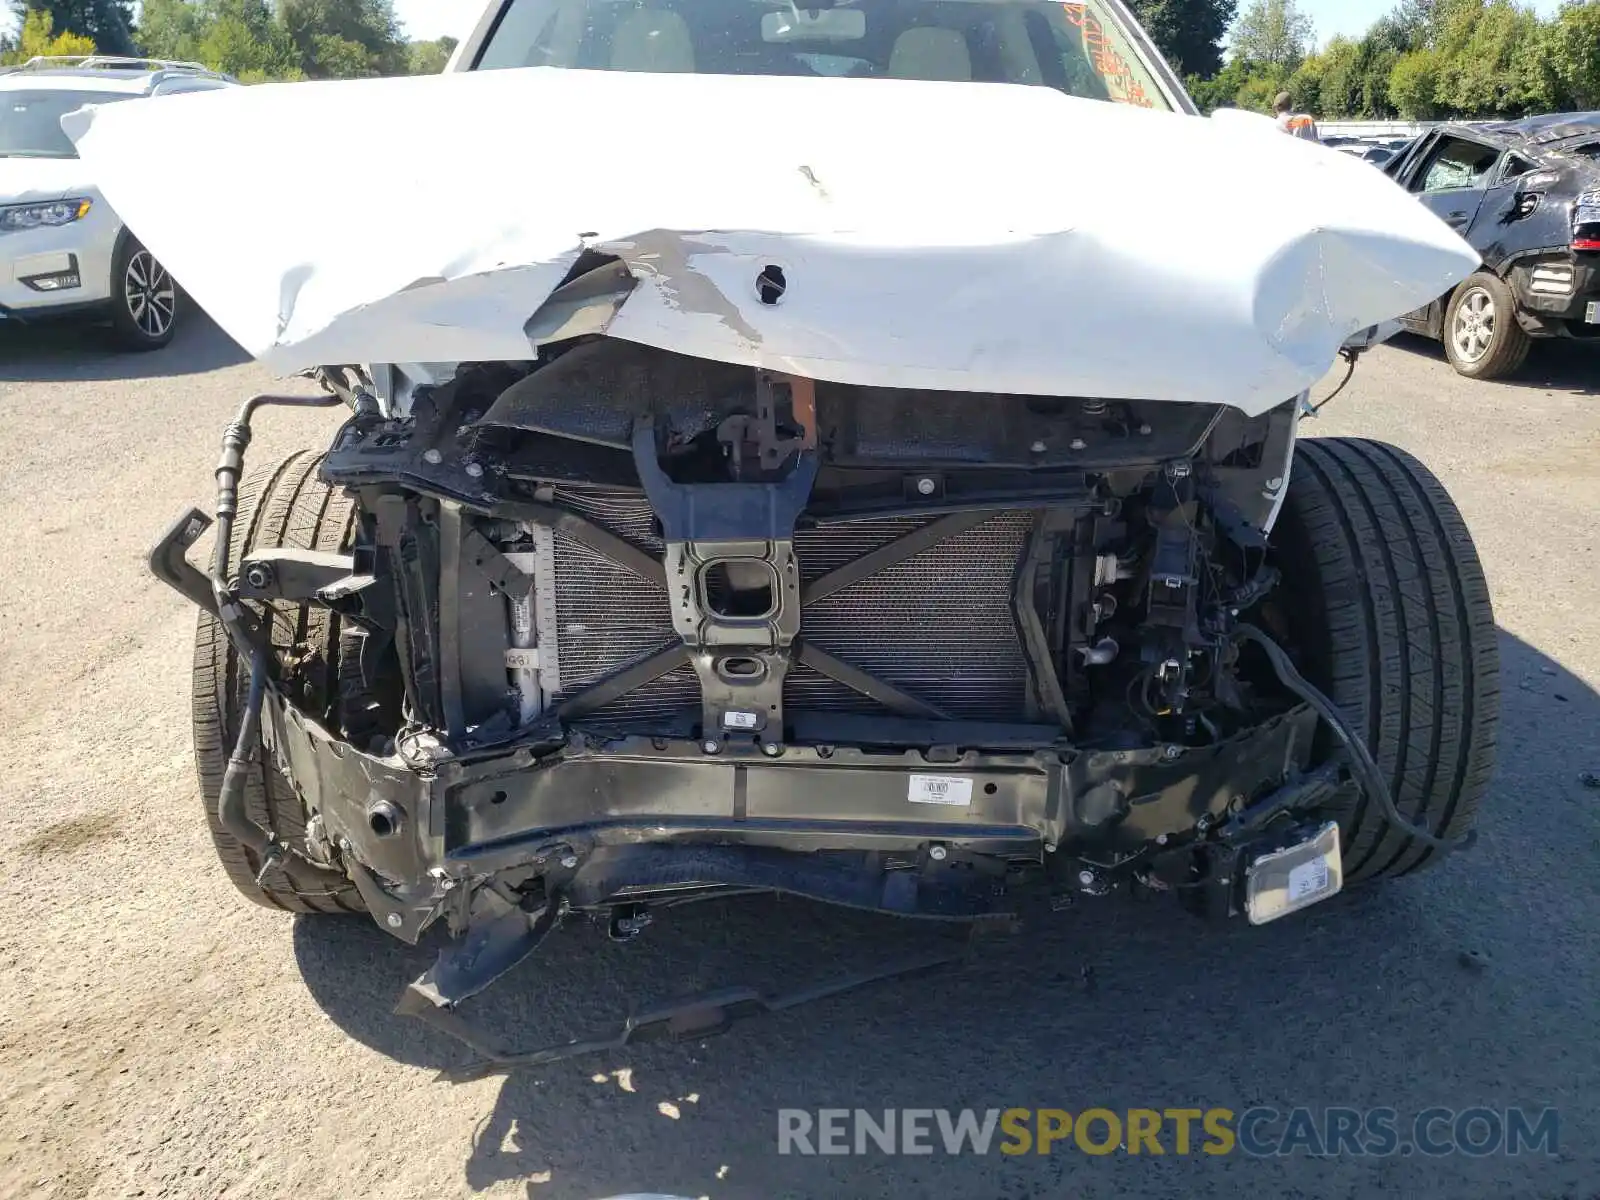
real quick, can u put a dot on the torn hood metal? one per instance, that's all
(954, 236)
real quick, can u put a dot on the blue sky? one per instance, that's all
(1352, 17)
(435, 18)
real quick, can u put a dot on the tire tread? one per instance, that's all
(1390, 590)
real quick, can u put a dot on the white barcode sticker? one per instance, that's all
(740, 720)
(940, 789)
(1308, 879)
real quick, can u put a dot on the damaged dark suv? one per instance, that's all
(824, 515)
(1526, 195)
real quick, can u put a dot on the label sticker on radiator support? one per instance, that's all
(740, 720)
(940, 789)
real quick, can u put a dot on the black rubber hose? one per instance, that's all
(235, 441)
(231, 812)
(305, 876)
(1367, 771)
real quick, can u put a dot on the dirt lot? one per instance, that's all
(159, 1037)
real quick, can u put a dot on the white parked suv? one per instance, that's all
(63, 252)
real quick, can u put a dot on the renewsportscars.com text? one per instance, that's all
(1257, 1132)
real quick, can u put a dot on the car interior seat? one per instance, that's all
(931, 54)
(652, 39)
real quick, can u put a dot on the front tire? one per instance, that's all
(1482, 337)
(1386, 601)
(145, 299)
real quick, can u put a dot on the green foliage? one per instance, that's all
(1274, 33)
(244, 37)
(1262, 87)
(1222, 89)
(108, 24)
(1188, 32)
(1342, 89)
(171, 29)
(1426, 60)
(1305, 85)
(429, 58)
(38, 36)
(345, 39)
(1482, 43)
(255, 40)
(1414, 85)
(1569, 49)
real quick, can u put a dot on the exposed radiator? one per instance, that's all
(938, 625)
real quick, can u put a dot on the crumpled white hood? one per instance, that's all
(931, 235)
(33, 179)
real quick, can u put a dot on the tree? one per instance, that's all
(1413, 23)
(171, 29)
(1273, 32)
(1305, 85)
(244, 38)
(1424, 60)
(1222, 89)
(345, 38)
(1484, 48)
(1375, 62)
(106, 23)
(1414, 85)
(38, 36)
(1188, 32)
(1338, 70)
(1262, 88)
(429, 58)
(1570, 49)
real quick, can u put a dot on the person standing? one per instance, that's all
(1298, 125)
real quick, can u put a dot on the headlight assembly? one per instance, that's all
(55, 212)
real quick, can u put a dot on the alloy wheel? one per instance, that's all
(1474, 327)
(150, 295)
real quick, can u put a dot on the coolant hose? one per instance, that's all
(231, 814)
(307, 877)
(230, 467)
(1366, 769)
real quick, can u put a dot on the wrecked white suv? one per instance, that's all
(848, 452)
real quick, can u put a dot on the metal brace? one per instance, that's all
(296, 576)
(505, 576)
(724, 539)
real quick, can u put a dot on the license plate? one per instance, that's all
(1592, 313)
(1286, 881)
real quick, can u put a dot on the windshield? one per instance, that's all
(30, 122)
(1079, 49)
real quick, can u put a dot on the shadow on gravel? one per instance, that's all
(77, 352)
(1553, 366)
(1466, 985)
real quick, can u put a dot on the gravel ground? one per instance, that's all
(162, 1038)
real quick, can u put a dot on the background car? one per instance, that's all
(1526, 195)
(63, 252)
(1375, 150)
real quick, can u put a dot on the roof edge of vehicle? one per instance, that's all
(137, 73)
(1551, 132)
